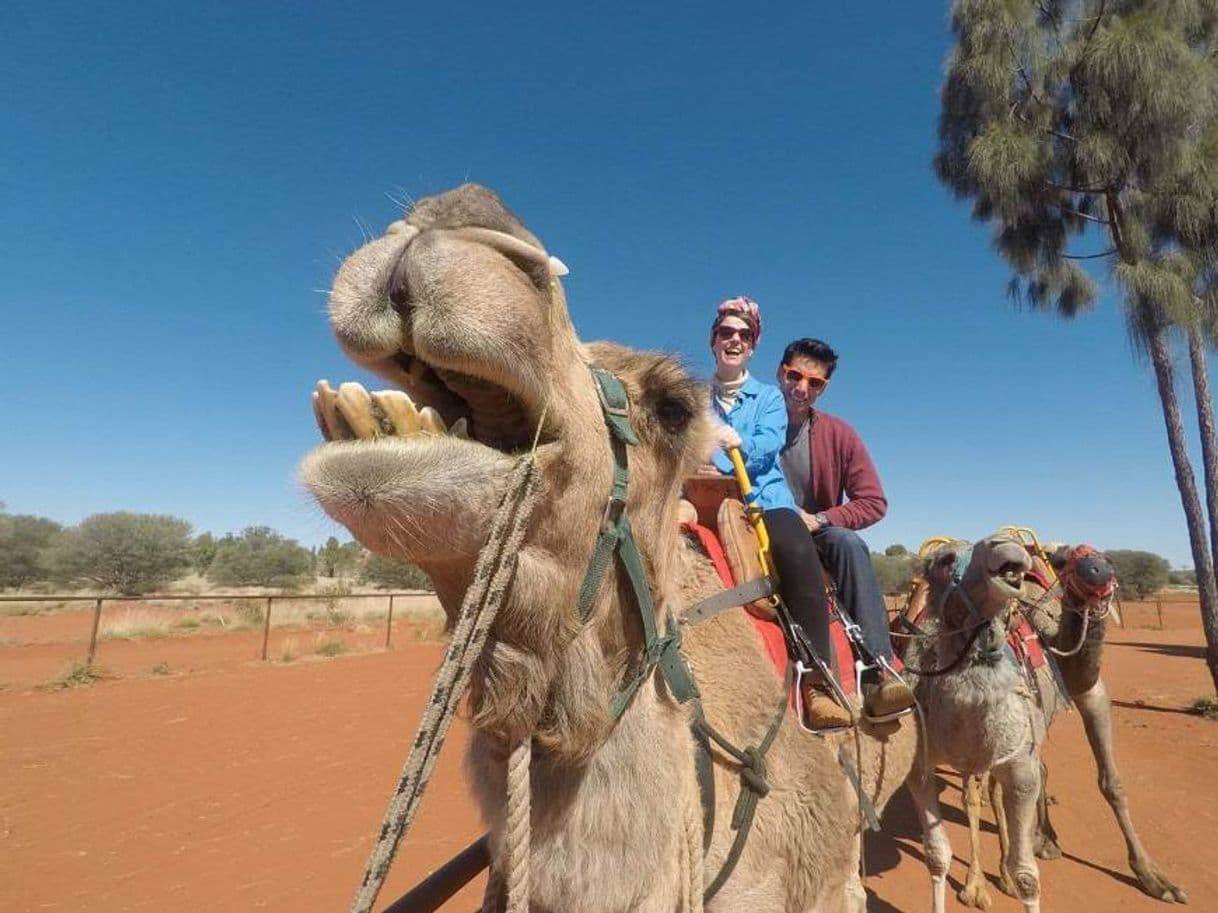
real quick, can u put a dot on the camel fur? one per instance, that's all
(459, 306)
(980, 716)
(1058, 615)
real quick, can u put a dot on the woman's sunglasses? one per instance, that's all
(794, 376)
(723, 334)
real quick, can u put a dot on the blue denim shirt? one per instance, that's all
(759, 416)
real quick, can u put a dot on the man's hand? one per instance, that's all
(709, 469)
(810, 521)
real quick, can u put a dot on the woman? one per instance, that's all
(756, 415)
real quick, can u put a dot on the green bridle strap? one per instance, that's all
(616, 537)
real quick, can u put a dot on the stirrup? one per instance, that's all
(883, 665)
(820, 669)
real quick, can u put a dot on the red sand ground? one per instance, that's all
(231, 784)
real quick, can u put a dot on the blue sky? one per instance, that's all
(179, 183)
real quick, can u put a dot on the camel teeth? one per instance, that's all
(317, 414)
(430, 421)
(460, 428)
(399, 409)
(335, 427)
(355, 405)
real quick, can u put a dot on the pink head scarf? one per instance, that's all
(744, 308)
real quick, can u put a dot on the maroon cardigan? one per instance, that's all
(845, 485)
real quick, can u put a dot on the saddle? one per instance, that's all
(719, 511)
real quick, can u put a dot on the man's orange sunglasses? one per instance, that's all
(794, 376)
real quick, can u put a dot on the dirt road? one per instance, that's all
(238, 785)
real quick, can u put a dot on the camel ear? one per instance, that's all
(1058, 554)
(939, 564)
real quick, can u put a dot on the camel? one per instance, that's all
(1071, 619)
(459, 307)
(980, 714)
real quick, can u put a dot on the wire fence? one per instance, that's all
(268, 601)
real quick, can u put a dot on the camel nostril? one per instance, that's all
(399, 286)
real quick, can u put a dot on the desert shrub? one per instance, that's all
(24, 541)
(259, 557)
(896, 550)
(336, 559)
(895, 573)
(1140, 574)
(330, 648)
(390, 572)
(127, 552)
(203, 552)
(1182, 578)
(251, 613)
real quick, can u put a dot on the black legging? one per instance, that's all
(803, 581)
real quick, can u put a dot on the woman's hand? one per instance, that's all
(726, 437)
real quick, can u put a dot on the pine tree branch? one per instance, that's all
(1082, 215)
(1107, 253)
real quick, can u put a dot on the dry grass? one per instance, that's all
(131, 623)
(78, 675)
(330, 648)
(1206, 707)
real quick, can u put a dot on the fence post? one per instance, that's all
(389, 623)
(266, 628)
(93, 635)
(1159, 606)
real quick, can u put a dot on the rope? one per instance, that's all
(517, 828)
(487, 591)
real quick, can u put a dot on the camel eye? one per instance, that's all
(673, 414)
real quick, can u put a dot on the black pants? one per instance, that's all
(803, 582)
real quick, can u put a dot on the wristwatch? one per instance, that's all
(821, 520)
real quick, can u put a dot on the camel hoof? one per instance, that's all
(975, 895)
(1047, 848)
(1156, 884)
(1006, 884)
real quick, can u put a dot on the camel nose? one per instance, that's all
(1094, 571)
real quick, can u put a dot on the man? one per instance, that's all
(838, 492)
(754, 418)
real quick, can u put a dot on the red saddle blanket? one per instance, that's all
(769, 631)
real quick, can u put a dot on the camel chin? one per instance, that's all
(410, 498)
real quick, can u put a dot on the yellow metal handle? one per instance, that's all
(1027, 538)
(753, 513)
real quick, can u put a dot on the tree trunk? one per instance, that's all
(1156, 338)
(1209, 439)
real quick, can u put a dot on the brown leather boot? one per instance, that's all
(886, 698)
(821, 709)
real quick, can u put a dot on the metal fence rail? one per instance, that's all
(214, 597)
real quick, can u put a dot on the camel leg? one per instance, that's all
(1096, 711)
(1020, 783)
(935, 844)
(1047, 845)
(1006, 884)
(974, 893)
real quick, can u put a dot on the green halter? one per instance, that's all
(661, 651)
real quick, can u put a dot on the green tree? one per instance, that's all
(400, 575)
(24, 540)
(895, 572)
(127, 552)
(1087, 130)
(338, 560)
(1140, 574)
(260, 556)
(896, 550)
(202, 552)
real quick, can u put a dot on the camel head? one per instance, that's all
(459, 308)
(1088, 576)
(981, 579)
